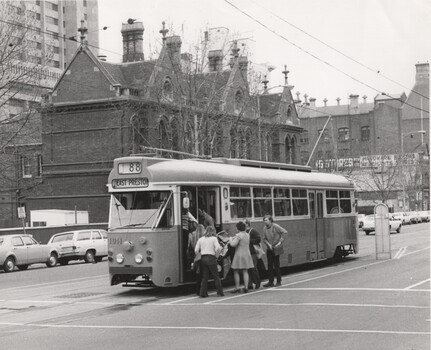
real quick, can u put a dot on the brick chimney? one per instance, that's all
(173, 47)
(215, 60)
(133, 40)
(354, 104)
(422, 72)
(243, 65)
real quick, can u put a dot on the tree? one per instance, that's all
(21, 86)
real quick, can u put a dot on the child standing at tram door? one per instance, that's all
(188, 223)
(274, 241)
(209, 248)
(195, 259)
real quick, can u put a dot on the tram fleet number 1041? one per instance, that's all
(147, 243)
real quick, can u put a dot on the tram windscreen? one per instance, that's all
(149, 209)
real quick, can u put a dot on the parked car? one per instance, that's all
(408, 217)
(416, 217)
(361, 218)
(87, 245)
(399, 216)
(370, 226)
(23, 250)
(425, 215)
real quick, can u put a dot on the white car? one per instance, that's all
(21, 250)
(425, 215)
(399, 216)
(88, 245)
(370, 226)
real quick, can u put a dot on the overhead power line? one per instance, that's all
(316, 57)
(377, 71)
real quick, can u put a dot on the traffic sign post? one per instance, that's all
(22, 216)
(382, 233)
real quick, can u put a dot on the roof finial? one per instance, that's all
(285, 72)
(163, 31)
(265, 84)
(83, 30)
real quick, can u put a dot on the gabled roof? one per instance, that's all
(132, 75)
(270, 103)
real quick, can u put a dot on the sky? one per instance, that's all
(332, 48)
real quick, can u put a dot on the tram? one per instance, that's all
(146, 243)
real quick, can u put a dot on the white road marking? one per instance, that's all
(417, 284)
(72, 281)
(400, 253)
(236, 329)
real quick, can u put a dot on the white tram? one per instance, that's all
(146, 241)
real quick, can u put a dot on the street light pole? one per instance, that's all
(422, 132)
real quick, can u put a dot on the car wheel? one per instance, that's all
(399, 229)
(22, 267)
(367, 232)
(9, 264)
(89, 256)
(52, 261)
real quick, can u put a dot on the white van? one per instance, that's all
(88, 245)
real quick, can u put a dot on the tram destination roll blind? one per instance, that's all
(130, 183)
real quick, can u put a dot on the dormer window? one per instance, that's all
(239, 101)
(168, 91)
(289, 114)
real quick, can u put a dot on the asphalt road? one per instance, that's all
(360, 303)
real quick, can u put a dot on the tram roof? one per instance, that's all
(232, 171)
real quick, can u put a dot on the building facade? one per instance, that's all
(162, 106)
(38, 39)
(382, 145)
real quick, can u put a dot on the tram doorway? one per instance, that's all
(316, 213)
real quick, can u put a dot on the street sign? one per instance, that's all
(21, 212)
(382, 233)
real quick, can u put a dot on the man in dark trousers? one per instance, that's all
(255, 239)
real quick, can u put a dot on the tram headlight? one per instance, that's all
(139, 258)
(119, 258)
(149, 252)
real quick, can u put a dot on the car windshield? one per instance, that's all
(147, 209)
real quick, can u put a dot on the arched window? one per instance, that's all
(175, 137)
(239, 101)
(293, 150)
(248, 144)
(288, 150)
(168, 91)
(234, 144)
(289, 114)
(267, 147)
(163, 135)
(189, 139)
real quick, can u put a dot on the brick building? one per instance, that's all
(367, 140)
(99, 111)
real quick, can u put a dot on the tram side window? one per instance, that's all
(262, 201)
(282, 205)
(345, 202)
(338, 202)
(240, 202)
(299, 202)
(332, 202)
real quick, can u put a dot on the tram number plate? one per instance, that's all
(130, 183)
(115, 241)
(130, 168)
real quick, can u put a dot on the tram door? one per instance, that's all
(316, 213)
(320, 226)
(209, 201)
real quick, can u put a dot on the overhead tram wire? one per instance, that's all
(252, 18)
(340, 52)
(318, 58)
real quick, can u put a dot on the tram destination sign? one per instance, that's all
(130, 183)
